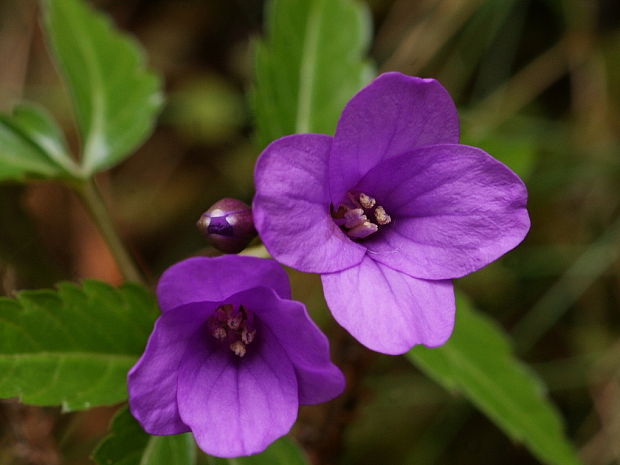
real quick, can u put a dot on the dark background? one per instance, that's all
(537, 84)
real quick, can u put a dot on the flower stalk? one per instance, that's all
(91, 198)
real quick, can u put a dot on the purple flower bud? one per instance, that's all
(228, 225)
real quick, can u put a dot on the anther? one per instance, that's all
(366, 201)
(219, 333)
(363, 230)
(354, 218)
(247, 336)
(381, 216)
(238, 348)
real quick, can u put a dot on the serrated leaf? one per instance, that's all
(478, 361)
(282, 452)
(115, 98)
(128, 444)
(72, 347)
(32, 146)
(310, 64)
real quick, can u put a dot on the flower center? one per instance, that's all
(233, 327)
(359, 216)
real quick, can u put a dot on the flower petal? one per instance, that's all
(392, 115)
(237, 406)
(152, 382)
(318, 379)
(454, 210)
(216, 278)
(292, 207)
(389, 311)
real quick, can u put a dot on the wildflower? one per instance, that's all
(389, 211)
(230, 358)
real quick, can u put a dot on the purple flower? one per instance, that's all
(389, 211)
(230, 358)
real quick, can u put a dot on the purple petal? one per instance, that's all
(216, 278)
(292, 207)
(389, 311)
(152, 382)
(392, 115)
(454, 209)
(319, 380)
(237, 406)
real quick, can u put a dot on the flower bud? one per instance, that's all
(228, 225)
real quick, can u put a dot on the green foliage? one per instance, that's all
(128, 444)
(309, 66)
(32, 146)
(478, 362)
(115, 98)
(74, 346)
(282, 452)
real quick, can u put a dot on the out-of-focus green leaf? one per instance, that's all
(128, 444)
(206, 109)
(39, 125)
(74, 346)
(115, 98)
(309, 65)
(32, 146)
(282, 452)
(478, 362)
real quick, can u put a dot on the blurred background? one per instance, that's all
(537, 83)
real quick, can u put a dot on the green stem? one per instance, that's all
(92, 200)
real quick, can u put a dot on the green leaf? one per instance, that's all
(128, 444)
(115, 98)
(309, 66)
(74, 346)
(39, 125)
(479, 362)
(32, 146)
(282, 452)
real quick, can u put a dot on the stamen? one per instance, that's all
(247, 336)
(359, 216)
(366, 201)
(219, 333)
(381, 216)
(354, 218)
(363, 230)
(234, 327)
(238, 348)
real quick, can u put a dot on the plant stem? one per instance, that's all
(92, 200)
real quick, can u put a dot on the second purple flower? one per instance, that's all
(231, 357)
(389, 211)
